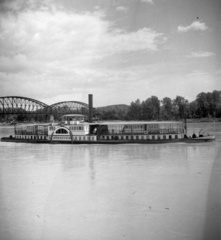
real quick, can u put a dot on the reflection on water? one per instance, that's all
(109, 191)
(212, 226)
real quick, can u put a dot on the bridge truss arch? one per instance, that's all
(28, 109)
(22, 105)
(69, 107)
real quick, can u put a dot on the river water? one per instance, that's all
(113, 192)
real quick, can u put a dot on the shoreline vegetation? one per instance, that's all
(205, 108)
(204, 120)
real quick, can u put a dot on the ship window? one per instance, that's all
(61, 131)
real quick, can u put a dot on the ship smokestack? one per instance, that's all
(90, 103)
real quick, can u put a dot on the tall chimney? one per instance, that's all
(90, 103)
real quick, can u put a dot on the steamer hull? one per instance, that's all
(160, 141)
(74, 130)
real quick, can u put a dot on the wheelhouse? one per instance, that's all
(72, 118)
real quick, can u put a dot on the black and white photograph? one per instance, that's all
(110, 120)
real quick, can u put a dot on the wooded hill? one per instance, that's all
(112, 112)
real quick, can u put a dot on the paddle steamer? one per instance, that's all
(74, 129)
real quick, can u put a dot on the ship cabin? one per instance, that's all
(140, 130)
(73, 128)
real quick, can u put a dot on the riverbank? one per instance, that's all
(196, 120)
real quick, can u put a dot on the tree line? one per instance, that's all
(206, 105)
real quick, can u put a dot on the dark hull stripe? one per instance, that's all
(184, 140)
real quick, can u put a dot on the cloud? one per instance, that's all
(143, 39)
(147, 1)
(16, 63)
(51, 38)
(201, 54)
(195, 26)
(19, 5)
(11, 5)
(68, 38)
(122, 9)
(46, 52)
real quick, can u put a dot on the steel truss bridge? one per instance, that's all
(15, 105)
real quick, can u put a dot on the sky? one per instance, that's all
(117, 50)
